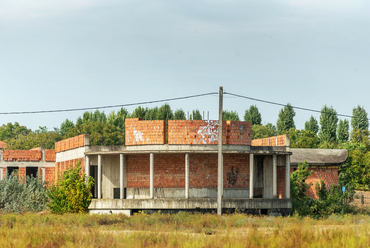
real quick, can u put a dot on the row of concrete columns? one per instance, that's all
(251, 174)
(274, 176)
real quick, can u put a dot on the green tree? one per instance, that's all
(263, 131)
(303, 139)
(253, 115)
(71, 194)
(328, 123)
(118, 120)
(151, 114)
(311, 125)
(286, 119)
(65, 126)
(165, 113)
(139, 112)
(343, 130)
(11, 131)
(359, 119)
(95, 116)
(230, 116)
(196, 115)
(179, 115)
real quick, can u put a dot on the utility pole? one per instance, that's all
(220, 187)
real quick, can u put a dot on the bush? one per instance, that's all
(71, 194)
(22, 194)
(332, 202)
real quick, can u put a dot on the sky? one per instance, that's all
(65, 54)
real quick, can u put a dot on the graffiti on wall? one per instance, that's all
(209, 133)
(138, 136)
(232, 176)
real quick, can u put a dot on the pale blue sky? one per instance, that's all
(80, 53)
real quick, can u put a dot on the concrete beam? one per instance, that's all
(151, 175)
(287, 177)
(40, 164)
(99, 176)
(70, 154)
(121, 175)
(187, 164)
(274, 176)
(251, 176)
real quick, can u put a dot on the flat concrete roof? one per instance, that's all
(94, 150)
(318, 157)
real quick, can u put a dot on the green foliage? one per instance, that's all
(311, 125)
(285, 119)
(139, 112)
(118, 120)
(66, 126)
(360, 136)
(179, 115)
(11, 131)
(96, 116)
(329, 203)
(165, 113)
(71, 194)
(22, 194)
(34, 139)
(196, 115)
(263, 131)
(253, 115)
(151, 114)
(328, 123)
(303, 139)
(230, 115)
(359, 119)
(343, 131)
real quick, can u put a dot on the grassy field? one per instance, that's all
(181, 230)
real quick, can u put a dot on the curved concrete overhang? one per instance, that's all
(318, 157)
(94, 150)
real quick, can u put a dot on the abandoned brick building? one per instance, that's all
(179, 172)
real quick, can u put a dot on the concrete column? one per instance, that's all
(187, 175)
(99, 176)
(251, 175)
(274, 176)
(287, 177)
(87, 166)
(152, 175)
(122, 169)
(43, 174)
(1, 173)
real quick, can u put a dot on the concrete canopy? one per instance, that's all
(318, 157)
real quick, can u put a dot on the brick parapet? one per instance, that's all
(71, 143)
(139, 132)
(22, 155)
(239, 133)
(280, 140)
(50, 155)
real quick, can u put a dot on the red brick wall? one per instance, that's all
(62, 166)
(239, 133)
(197, 132)
(329, 175)
(22, 155)
(271, 141)
(169, 171)
(71, 143)
(50, 155)
(140, 132)
(50, 175)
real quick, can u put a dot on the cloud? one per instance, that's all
(31, 9)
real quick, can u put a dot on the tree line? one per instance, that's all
(328, 132)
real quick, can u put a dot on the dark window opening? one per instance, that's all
(94, 174)
(11, 170)
(32, 171)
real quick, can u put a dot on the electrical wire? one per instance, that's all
(104, 107)
(284, 105)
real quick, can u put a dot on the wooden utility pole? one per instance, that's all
(220, 187)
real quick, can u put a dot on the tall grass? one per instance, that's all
(181, 230)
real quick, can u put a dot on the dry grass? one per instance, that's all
(181, 230)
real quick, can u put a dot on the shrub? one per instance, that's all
(22, 194)
(72, 193)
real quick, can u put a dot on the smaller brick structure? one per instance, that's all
(139, 132)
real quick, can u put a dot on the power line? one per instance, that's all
(284, 105)
(111, 106)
